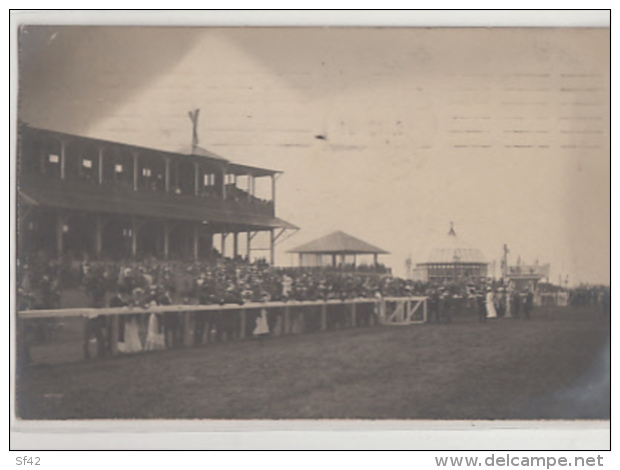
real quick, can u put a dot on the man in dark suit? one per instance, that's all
(172, 321)
(529, 304)
(95, 328)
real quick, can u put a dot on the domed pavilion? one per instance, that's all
(452, 261)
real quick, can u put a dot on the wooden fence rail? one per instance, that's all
(292, 316)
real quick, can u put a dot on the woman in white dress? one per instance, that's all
(155, 339)
(490, 302)
(262, 327)
(132, 342)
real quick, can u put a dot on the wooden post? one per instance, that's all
(100, 166)
(324, 317)
(98, 234)
(196, 179)
(353, 315)
(235, 244)
(60, 222)
(272, 248)
(424, 312)
(209, 238)
(224, 235)
(167, 175)
(63, 157)
(287, 320)
(242, 322)
(196, 242)
(135, 226)
(135, 171)
(166, 240)
(249, 247)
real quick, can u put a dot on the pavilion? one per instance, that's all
(452, 261)
(333, 246)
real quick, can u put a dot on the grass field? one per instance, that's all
(555, 366)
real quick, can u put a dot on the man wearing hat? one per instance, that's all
(529, 304)
(172, 322)
(96, 326)
(481, 306)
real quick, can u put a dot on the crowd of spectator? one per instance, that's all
(43, 282)
(218, 280)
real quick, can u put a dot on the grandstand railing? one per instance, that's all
(124, 191)
(291, 317)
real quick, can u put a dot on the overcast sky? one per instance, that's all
(505, 132)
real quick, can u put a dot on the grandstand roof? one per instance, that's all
(336, 243)
(196, 152)
(201, 152)
(232, 168)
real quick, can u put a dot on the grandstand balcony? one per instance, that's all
(119, 197)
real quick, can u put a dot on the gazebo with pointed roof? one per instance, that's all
(334, 245)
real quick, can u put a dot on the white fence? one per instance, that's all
(238, 321)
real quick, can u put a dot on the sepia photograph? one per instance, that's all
(304, 223)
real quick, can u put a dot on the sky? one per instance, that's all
(504, 132)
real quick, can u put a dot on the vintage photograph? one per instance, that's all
(285, 223)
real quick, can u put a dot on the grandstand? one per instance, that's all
(100, 219)
(87, 197)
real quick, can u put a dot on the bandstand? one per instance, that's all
(338, 247)
(452, 262)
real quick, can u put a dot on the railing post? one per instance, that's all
(60, 233)
(196, 179)
(242, 322)
(353, 315)
(135, 171)
(324, 316)
(167, 174)
(63, 158)
(287, 320)
(100, 166)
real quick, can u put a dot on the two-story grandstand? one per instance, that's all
(88, 197)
